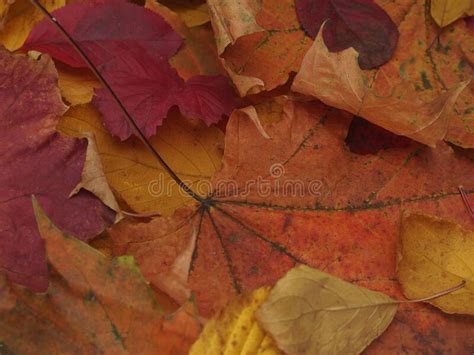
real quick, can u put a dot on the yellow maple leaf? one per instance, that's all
(437, 254)
(191, 148)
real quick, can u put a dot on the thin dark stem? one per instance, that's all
(136, 130)
(466, 201)
(436, 39)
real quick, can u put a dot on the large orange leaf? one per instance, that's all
(94, 304)
(434, 64)
(303, 197)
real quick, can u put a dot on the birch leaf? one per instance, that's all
(311, 312)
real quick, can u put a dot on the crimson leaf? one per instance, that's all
(360, 24)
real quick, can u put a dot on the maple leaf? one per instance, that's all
(360, 24)
(197, 56)
(290, 190)
(192, 149)
(260, 44)
(134, 61)
(447, 62)
(150, 88)
(343, 217)
(433, 64)
(93, 304)
(369, 94)
(37, 160)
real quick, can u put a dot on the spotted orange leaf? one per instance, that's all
(305, 198)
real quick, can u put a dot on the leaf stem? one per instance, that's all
(397, 302)
(136, 130)
(437, 295)
(142, 215)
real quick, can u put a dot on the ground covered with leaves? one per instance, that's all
(238, 177)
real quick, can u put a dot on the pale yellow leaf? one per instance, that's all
(445, 12)
(235, 330)
(175, 281)
(232, 19)
(93, 178)
(311, 312)
(252, 114)
(191, 148)
(246, 85)
(22, 16)
(437, 254)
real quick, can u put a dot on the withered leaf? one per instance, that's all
(445, 12)
(312, 312)
(93, 304)
(337, 80)
(36, 159)
(437, 253)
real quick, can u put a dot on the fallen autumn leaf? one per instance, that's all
(93, 304)
(436, 253)
(37, 160)
(215, 209)
(311, 312)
